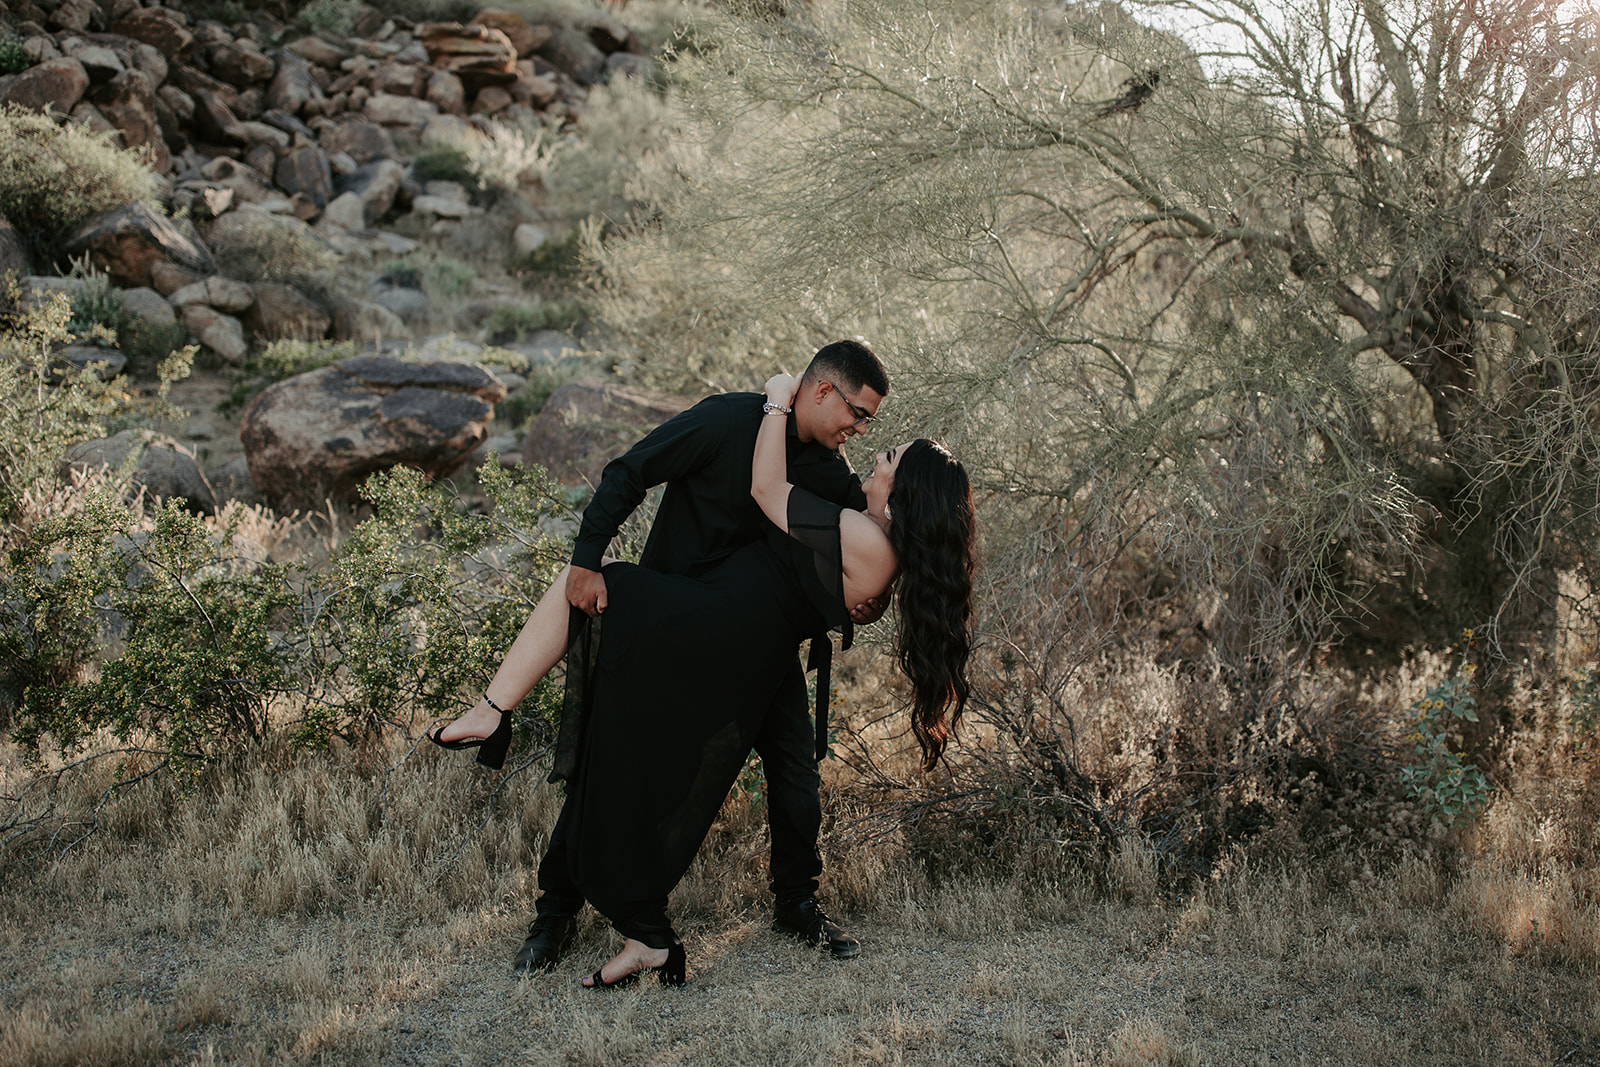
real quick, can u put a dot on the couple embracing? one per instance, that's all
(764, 538)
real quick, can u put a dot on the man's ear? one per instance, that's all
(816, 391)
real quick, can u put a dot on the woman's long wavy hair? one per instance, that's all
(933, 534)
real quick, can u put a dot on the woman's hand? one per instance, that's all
(781, 389)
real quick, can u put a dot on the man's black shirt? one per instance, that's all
(703, 455)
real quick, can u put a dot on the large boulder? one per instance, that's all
(525, 37)
(305, 170)
(292, 87)
(321, 434)
(157, 28)
(56, 84)
(479, 55)
(128, 101)
(124, 242)
(571, 52)
(164, 469)
(240, 63)
(587, 423)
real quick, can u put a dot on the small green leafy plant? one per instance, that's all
(13, 58)
(1436, 775)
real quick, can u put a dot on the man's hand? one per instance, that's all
(869, 611)
(586, 590)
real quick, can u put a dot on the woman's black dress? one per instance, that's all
(687, 668)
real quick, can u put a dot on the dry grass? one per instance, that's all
(309, 911)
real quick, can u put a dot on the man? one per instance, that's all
(703, 457)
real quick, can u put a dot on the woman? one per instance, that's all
(648, 786)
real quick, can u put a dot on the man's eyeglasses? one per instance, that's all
(864, 418)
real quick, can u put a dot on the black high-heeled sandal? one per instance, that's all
(491, 749)
(675, 971)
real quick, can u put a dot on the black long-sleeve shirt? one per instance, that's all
(703, 456)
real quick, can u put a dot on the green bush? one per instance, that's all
(97, 313)
(330, 16)
(515, 322)
(54, 177)
(13, 60)
(558, 258)
(214, 650)
(444, 163)
(282, 359)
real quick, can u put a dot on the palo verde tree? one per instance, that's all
(1290, 306)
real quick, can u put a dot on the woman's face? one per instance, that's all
(880, 481)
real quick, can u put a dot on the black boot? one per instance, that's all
(548, 940)
(804, 921)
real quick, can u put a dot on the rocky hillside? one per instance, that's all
(288, 181)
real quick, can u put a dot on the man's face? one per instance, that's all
(831, 414)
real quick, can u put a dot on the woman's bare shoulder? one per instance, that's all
(866, 549)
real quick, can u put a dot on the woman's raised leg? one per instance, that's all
(539, 647)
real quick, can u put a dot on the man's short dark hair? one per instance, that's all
(850, 364)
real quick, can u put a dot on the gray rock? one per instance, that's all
(571, 52)
(292, 87)
(446, 93)
(364, 321)
(149, 307)
(386, 109)
(101, 64)
(409, 304)
(528, 238)
(149, 59)
(223, 334)
(345, 210)
(164, 470)
(323, 433)
(106, 363)
(376, 185)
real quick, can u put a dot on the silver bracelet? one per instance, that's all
(769, 408)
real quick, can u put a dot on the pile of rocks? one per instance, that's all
(261, 135)
(313, 135)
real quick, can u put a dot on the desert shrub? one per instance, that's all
(513, 154)
(13, 58)
(96, 307)
(283, 358)
(516, 322)
(259, 247)
(444, 162)
(543, 379)
(147, 344)
(169, 636)
(557, 258)
(54, 177)
(329, 16)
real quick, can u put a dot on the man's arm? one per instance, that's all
(682, 444)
